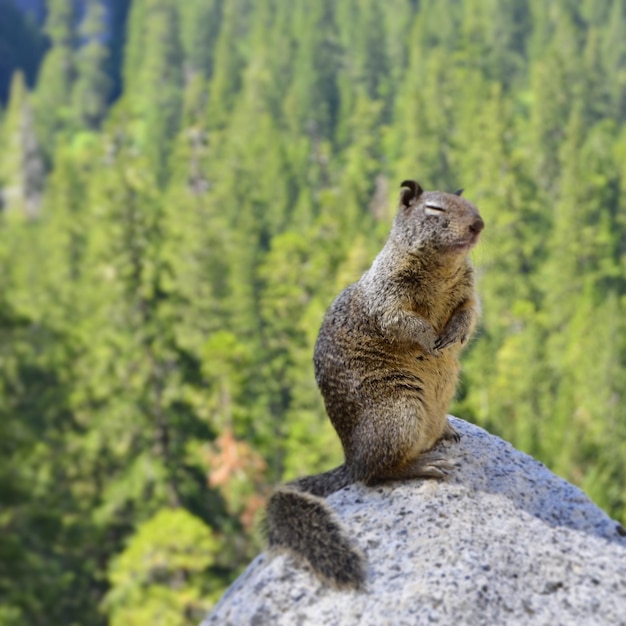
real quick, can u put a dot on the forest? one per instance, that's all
(185, 187)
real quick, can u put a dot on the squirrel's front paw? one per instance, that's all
(447, 339)
(457, 330)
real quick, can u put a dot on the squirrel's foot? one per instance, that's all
(430, 465)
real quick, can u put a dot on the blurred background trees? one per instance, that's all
(185, 186)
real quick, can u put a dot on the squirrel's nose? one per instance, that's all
(477, 225)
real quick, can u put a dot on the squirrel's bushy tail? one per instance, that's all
(300, 521)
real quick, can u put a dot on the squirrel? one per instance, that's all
(386, 363)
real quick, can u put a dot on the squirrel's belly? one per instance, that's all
(440, 375)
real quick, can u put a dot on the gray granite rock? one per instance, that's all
(504, 541)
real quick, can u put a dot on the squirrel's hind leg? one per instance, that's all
(403, 445)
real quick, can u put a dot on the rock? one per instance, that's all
(503, 541)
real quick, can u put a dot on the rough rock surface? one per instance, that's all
(503, 541)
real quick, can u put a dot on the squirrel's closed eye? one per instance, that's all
(433, 209)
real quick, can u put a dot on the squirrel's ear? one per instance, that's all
(413, 191)
(458, 192)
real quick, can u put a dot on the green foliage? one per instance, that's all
(92, 85)
(166, 260)
(21, 165)
(56, 75)
(160, 577)
(155, 103)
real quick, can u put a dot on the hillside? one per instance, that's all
(185, 186)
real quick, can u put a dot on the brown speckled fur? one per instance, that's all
(386, 362)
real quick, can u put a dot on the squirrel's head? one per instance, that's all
(435, 220)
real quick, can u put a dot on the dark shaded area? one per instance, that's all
(22, 46)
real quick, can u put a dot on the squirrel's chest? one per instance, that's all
(435, 298)
(436, 308)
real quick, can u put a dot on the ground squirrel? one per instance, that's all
(386, 362)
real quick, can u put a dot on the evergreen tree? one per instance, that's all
(49, 561)
(200, 24)
(614, 59)
(312, 101)
(21, 165)
(555, 83)
(155, 101)
(92, 85)
(52, 101)
(229, 62)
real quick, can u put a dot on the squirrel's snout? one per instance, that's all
(477, 225)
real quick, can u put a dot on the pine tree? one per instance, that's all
(229, 61)
(614, 55)
(420, 139)
(200, 24)
(154, 74)
(362, 34)
(49, 562)
(312, 102)
(21, 165)
(555, 83)
(52, 99)
(92, 85)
